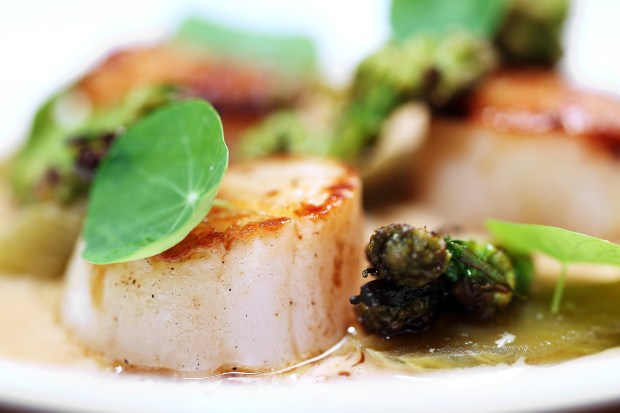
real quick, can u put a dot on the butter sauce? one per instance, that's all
(588, 323)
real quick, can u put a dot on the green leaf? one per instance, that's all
(481, 17)
(156, 184)
(292, 52)
(563, 245)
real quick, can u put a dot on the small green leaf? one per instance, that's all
(157, 183)
(292, 52)
(563, 245)
(481, 17)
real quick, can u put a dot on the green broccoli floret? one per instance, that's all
(283, 132)
(437, 70)
(46, 167)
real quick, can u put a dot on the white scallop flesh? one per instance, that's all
(261, 284)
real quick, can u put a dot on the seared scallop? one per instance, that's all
(260, 284)
(532, 148)
(242, 93)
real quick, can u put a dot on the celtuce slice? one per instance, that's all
(262, 283)
(39, 238)
(402, 135)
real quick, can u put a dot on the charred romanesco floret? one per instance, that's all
(421, 274)
(483, 277)
(532, 32)
(407, 256)
(389, 309)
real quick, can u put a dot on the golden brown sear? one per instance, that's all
(241, 92)
(533, 148)
(538, 101)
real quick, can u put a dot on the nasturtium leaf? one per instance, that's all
(481, 17)
(291, 52)
(563, 245)
(156, 184)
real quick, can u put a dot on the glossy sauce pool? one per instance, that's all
(588, 323)
(31, 332)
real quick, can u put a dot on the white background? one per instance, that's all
(45, 44)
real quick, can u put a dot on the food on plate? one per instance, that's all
(260, 284)
(531, 148)
(74, 128)
(129, 84)
(497, 111)
(186, 267)
(421, 273)
(434, 61)
(473, 303)
(525, 334)
(435, 70)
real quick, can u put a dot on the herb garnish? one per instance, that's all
(291, 52)
(565, 246)
(156, 184)
(481, 17)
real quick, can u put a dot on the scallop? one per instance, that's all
(532, 148)
(260, 284)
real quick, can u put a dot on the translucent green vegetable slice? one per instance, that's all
(39, 239)
(157, 183)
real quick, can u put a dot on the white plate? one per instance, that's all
(589, 381)
(47, 48)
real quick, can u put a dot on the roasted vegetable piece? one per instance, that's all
(407, 256)
(389, 309)
(531, 33)
(44, 169)
(437, 70)
(287, 131)
(39, 239)
(483, 277)
(423, 68)
(421, 273)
